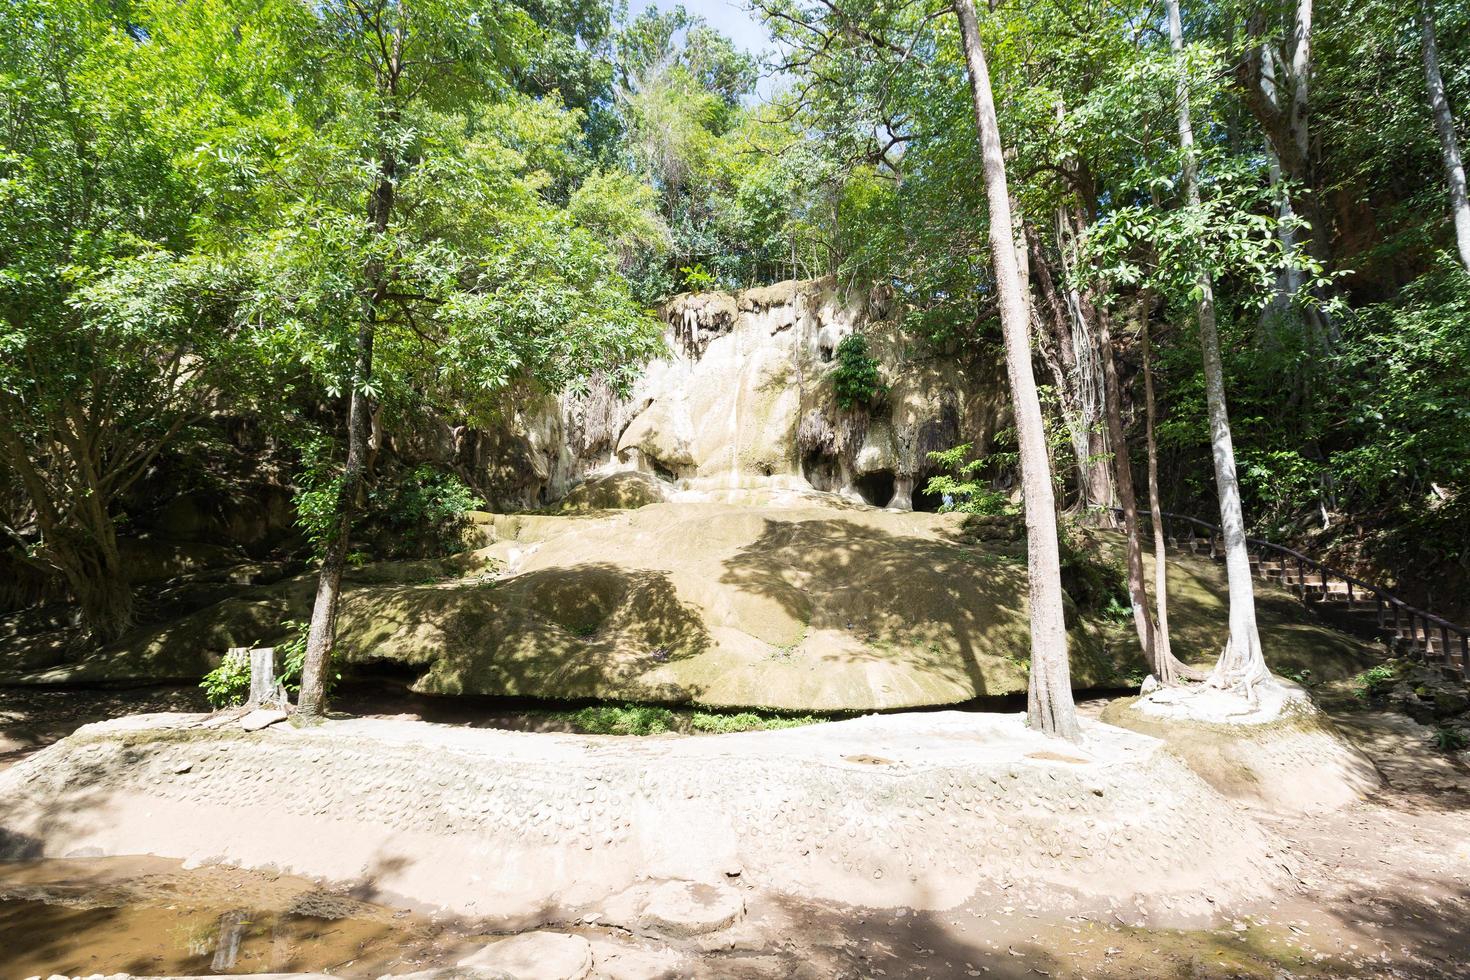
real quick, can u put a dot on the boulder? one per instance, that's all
(691, 908)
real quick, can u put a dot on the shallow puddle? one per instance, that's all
(149, 916)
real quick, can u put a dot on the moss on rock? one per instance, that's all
(798, 608)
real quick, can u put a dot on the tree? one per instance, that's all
(1444, 124)
(1264, 72)
(1143, 620)
(437, 276)
(1164, 660)
(1049, 693)
(1242, 665)
(114, 337)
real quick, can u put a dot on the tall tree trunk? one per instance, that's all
(1123, 477)
(90, 562)
(1242, 665)
(1283, 116)
(1289, 279)
(1050, 707)
(1090, 387)
(1444, 122)
(1169, 669)
(1055, 338)
(322, 636)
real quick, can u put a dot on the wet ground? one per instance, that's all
(149, 916)
(1383, 891)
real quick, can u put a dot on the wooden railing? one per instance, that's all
(1432, 636)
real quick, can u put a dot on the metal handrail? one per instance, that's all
(1416, 617)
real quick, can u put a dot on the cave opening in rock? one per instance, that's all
(820, 471)
(923, 499)
(875, 488)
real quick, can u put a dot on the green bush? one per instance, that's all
(229, 683)
(1375, 681)
(959, 487)
(425, 511)
(856, 379)
(629, 719)
(746, 721)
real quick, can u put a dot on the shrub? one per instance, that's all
(746, 721)
(229, 683)
(426, 510)
(856, 379)
(629, 719)
(1375, 681)
(958, 487)
(1448, 739)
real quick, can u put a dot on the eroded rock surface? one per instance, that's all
(1280, 753)
(743, 400)
(532, 956)
(915, 810)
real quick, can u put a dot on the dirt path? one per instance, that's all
(1383, 891)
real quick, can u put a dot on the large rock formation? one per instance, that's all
(800, 601)
(743, 401)
(724, 535)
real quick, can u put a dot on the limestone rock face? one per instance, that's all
(919, 809)
(532, 956)
(691, 908)
(786, 599)
(743, 400)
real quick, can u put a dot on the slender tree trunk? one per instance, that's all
(1050, 707)
(1123, 478)
(1288, 280)
(1055, 338)
(1283, 116)
(1444, 122)
(1242, 665)
(322, 637)
(1170, 670)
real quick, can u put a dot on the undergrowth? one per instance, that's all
(642, 719)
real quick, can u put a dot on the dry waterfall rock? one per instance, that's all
(261, 718)
(920, 811)
(531, 956)
(691, 908)
(1279, 753)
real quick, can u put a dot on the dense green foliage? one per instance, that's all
(856, 380)
(644, 719)
(1346, 376)
(963, 483)
(228, 684)
(205, 205)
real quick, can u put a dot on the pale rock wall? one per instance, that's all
(743, 401)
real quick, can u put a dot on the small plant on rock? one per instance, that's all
(1375, 681)
(1448, 739)
(229, 683)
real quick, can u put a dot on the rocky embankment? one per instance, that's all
(915, 810)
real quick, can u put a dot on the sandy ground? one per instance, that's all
(1382, 890)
